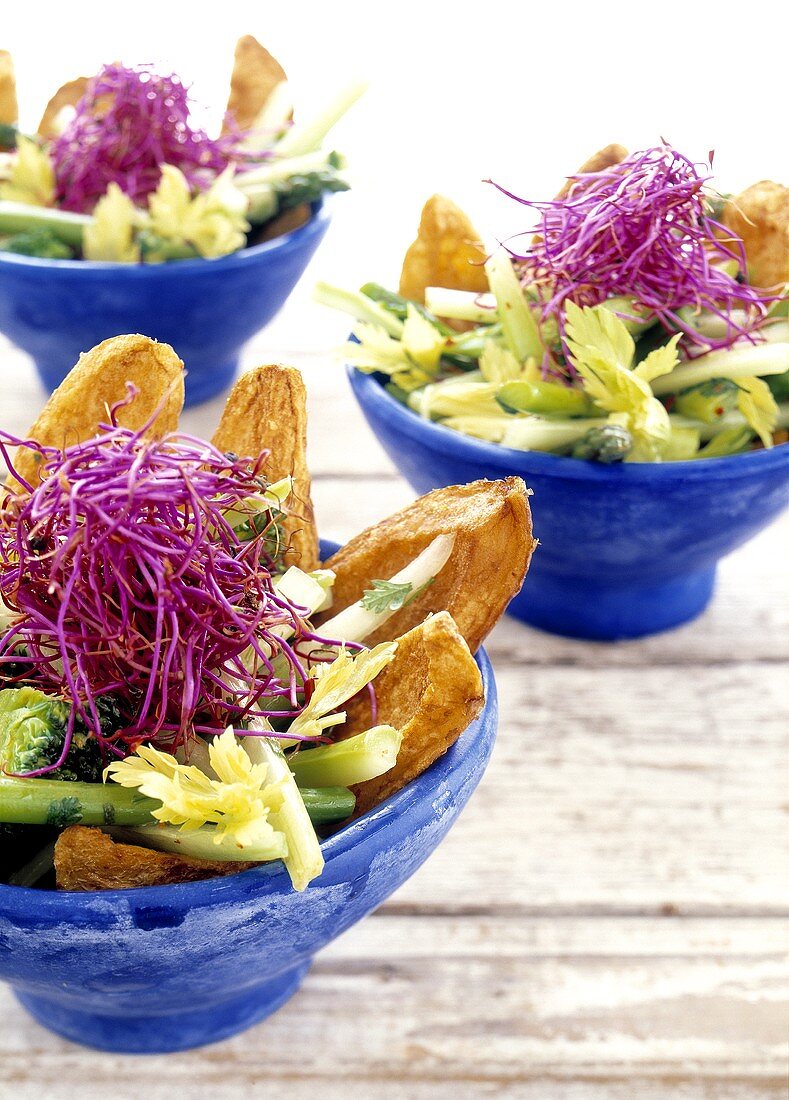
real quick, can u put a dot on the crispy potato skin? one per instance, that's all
(68, 95)
(604, 158)
(87, 859)
(255, 76)
(491, 521)
(286, 222)
(9, 107)
(446, 252)
(267, 410)
(80, 403)
(431, 691)
(760, 217)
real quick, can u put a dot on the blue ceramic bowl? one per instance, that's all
(171, 967)
(624, 550)
(206, 309)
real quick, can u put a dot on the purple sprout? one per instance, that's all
(640, 229)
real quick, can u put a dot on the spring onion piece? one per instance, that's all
(544, 398)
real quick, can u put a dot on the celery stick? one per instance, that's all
(738, 362)
(461, 305)
(521, 332)
(353, 760)
(203, 843)
(359, 306)
(19, 217)
(305, 138)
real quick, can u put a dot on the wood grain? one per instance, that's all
(608, 920)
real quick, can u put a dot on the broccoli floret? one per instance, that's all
(33, 729)
(779, 385)
(38, 242)
(611, 443)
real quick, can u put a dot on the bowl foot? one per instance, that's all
(581, 607)
(161, 1033)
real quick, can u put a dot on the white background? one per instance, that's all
(516, 91)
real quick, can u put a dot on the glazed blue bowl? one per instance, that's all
(625, 550)
(206, 309)
(166, 968)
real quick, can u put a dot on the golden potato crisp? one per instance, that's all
(267, 410)
(445, 253)
(87, 859)
(760, 217)
(491, 522)
(255, 76)
(68, 95)
(431, 691)
(602, 159)
(81, 402)
(9, 107)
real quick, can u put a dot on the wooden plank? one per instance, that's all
(500, 1007)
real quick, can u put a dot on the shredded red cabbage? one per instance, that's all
(640, 229)
(127, 125)
(126, 578)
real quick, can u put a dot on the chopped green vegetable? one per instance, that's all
(37, 242)
(544, 398)
(18, 217)
(730, 441)
(521, 332)
(708, 401)
(609, 444)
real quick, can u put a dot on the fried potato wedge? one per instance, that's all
(68, 95)
(491, 522)
(81, 402)
(604, 158)
(431, 691)
(760, 217)
(267, 410)
(9, 106)
(446, 252)
(87, 859)
(256, 73)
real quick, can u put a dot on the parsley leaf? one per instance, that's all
(390, 596)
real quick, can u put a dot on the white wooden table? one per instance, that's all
(607, 919)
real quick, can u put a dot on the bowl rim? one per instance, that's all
(370, 392)
(267, 879)
(286, 242)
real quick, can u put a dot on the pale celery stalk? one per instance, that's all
(356, 623)
(354, 760)
(461, 305)
(527, 433)
(203, 843)
(305, 138)
(520, 329)
(358, 305)
(304, 859)
(737, 362)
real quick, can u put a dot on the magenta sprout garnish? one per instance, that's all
(641, 229)
(125, 576)
(127, 125)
